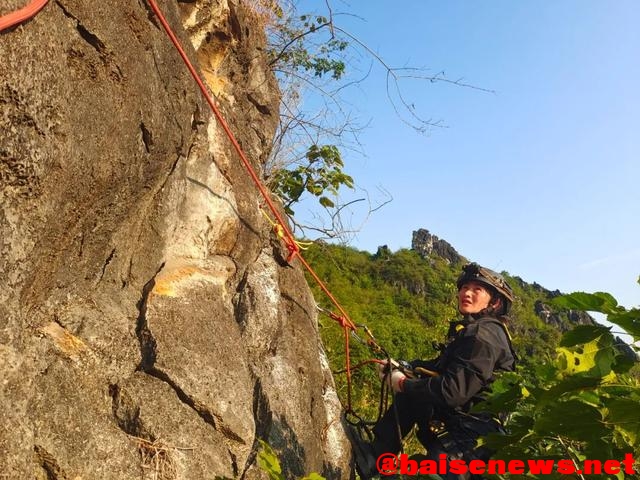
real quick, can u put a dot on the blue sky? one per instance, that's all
(539, 178)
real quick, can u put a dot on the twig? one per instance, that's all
(156, 459)
(568, 452)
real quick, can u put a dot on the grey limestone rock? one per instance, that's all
(147, 319)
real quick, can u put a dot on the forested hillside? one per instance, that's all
(407, 300)
(576, 392)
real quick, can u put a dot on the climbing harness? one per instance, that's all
(25, 13)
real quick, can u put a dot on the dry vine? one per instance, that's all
(156, 459)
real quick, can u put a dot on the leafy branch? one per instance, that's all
(583, 404)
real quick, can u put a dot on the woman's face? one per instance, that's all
(473, 297)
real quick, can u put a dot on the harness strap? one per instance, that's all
(507, 333)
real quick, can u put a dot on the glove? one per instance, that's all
(383, 370)
(397, 380)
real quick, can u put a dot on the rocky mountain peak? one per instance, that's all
(425, 244)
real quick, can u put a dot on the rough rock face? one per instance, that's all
(148, 324)
(424, 243)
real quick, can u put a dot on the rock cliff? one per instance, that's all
(425, 243)
(149, 326)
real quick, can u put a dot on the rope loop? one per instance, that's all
(343, 321)
(293, 248)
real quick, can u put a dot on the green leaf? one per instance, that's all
(326, 202)
(313, 476)
(573, 419)
(497, 441)
(582, 334)
(321, 176)
(503, 401)
(594, 302)
(623, 364)
(594, 359)
(572, 385)
(546, 371)
(624, 415)
(629, 321)
(268, 462)
(315, 189)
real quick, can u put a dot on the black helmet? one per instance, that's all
(476, 273)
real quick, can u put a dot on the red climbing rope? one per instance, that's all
(288, 237)
(25, 13)
(282, 228)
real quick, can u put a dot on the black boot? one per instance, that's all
(364, 454)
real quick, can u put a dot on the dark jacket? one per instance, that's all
(475, 349)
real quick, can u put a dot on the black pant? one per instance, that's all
(459, 442)
(398, 421)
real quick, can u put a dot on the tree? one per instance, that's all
(312, 56)
(306, 160)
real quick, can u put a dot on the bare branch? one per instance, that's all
(338, 227)
(333, 33)
(332, 123)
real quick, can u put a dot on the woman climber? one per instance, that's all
(437, 395)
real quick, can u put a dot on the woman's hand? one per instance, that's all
(395, 378)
